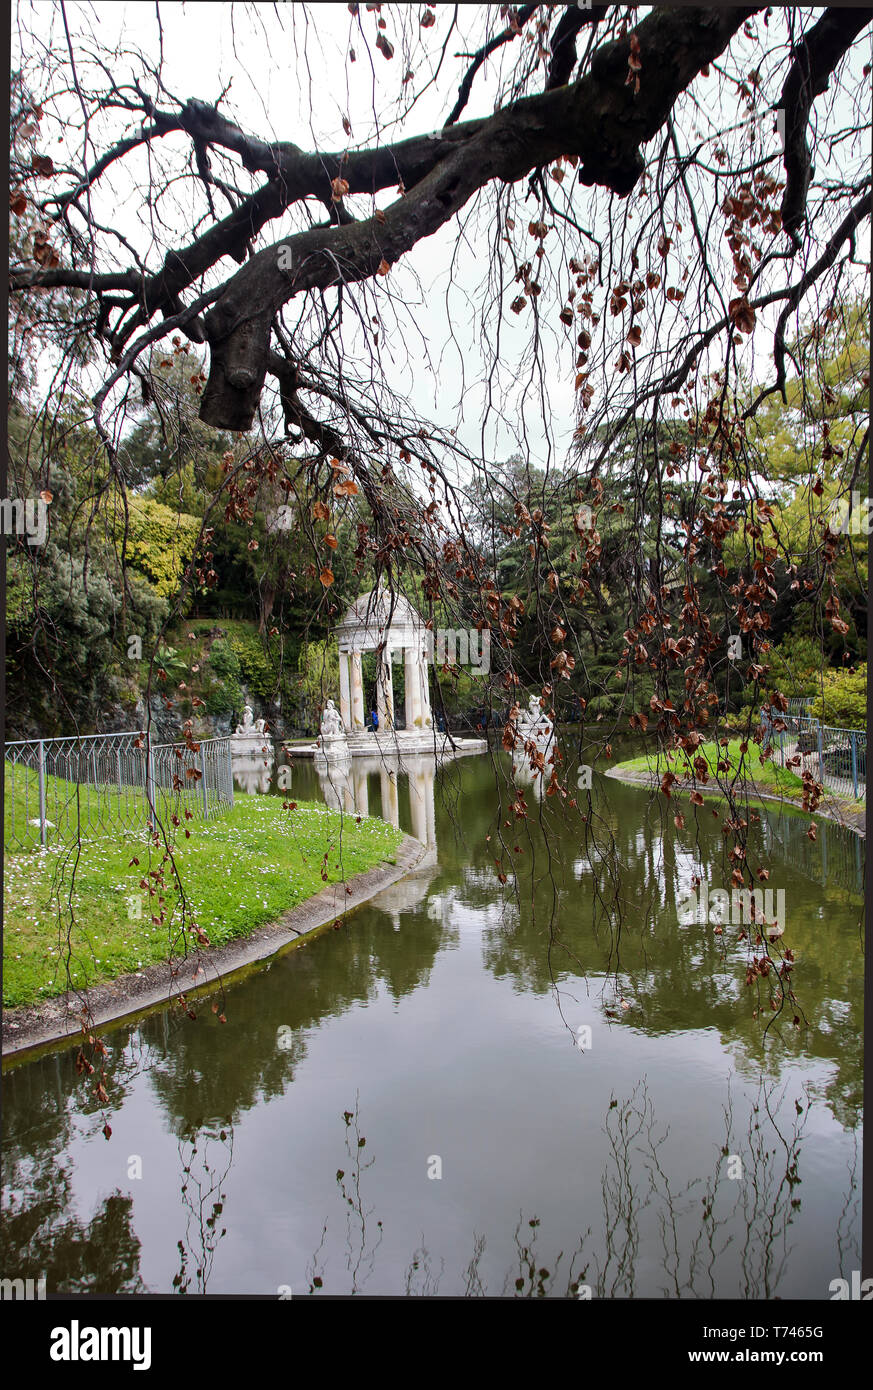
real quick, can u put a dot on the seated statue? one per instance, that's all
(534, 724)
(331, 722)
(250, 725)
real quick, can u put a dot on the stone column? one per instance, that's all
(384, 692)
(357, 693)
(412, 676)
(424, 687)
(345, 691)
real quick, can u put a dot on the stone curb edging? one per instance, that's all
(829, 809)
(114, 1001)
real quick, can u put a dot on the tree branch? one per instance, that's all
(598, 118)
(814, 59)
(66, 278)
(846, 229)
(506, 36)
(563, 45)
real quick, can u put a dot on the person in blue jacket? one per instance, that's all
(375, 718)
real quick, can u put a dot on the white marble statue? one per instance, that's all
(250, 726)
(331, 723)
(332, 742)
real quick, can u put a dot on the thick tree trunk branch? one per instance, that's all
(599, 119)
(605, 126)
(294, 176)
(308, 175)
(814, 60)
(65, 278)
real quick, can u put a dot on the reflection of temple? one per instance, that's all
(346, 787)
(252, 764)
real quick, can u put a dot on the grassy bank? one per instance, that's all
(745, 768)
(239, 871)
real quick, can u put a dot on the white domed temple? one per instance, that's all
(386, 623)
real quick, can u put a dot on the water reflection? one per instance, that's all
(426, 1026)
(42, 1231)
(252, 762)
(683, 1229)
(345, 786)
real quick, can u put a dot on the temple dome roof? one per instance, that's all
(378, 611)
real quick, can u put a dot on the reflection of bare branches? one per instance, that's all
(848, 1245)
(710, 1233)
(420, 1267)
(746, 1205)
(358, 1253)
(763, 1195)
(624, 1124)
(204, 1198)
(577, 1283)
(765, 1206)
(530, 1281)
(315, 1269)
(473, 1286)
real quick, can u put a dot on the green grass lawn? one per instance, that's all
(239, 871)
(746, 766)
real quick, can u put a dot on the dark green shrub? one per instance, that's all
(224, 699)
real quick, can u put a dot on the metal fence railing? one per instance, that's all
(836, 757)
(59, 788)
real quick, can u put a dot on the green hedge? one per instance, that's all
(223, 699)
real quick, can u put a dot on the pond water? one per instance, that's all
(548, 1088)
